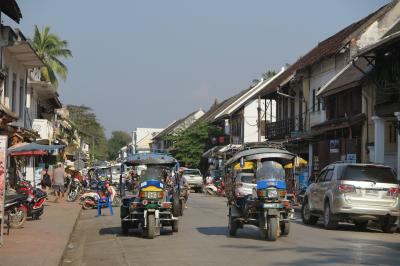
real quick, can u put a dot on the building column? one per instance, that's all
(310, 159)
(379, 139)
(397, 115)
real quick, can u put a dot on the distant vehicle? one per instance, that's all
(194, 178)
(355, 193)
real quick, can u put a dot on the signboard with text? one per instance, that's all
(3, 165)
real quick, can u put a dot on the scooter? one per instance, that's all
(90, 199)
(35, 199)
(15, 212)
(75, 188)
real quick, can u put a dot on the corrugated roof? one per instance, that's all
(328, 47)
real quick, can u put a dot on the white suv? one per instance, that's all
(194, 178)
(354, 193)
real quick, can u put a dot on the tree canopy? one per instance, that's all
(118, 140)
(91, 130)
(50, 48)
(190, 144)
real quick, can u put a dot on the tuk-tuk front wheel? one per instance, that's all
(124, 227)
(285, 228)
(175, 226)
(232, 225)
(151, 226)
(272, 229)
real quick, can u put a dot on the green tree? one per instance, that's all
(50, 48)
(92, 131)
(190, 144)
(265, 76)
(118, 140)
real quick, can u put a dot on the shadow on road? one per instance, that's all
(245, 233)
(343, 227)
(352, 252)
(116, 231)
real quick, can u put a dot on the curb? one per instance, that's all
(69, 239)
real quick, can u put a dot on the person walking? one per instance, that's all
(45, 181)
(58, 181)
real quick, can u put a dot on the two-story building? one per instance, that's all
(160, 142)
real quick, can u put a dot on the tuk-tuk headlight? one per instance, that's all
(272, 193)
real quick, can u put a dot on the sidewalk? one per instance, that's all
(41, 242)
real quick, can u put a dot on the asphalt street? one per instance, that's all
(203, 240)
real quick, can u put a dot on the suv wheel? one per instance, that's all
(330, 221)
(306, 215)
(388, 227)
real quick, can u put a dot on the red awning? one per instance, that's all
(28, 153)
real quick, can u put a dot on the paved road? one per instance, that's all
(202, 240)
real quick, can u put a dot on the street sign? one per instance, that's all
(3, 170)
(79, 164)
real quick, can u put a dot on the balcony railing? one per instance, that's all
(284, 128)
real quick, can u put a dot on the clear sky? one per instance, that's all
(147, 63)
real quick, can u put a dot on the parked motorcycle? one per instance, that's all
(90, 199)
(15, 212)
(34, 202)
(75, 188)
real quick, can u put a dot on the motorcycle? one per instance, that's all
(35, 199)
(15, 212)
(75, 188)
(90, 199)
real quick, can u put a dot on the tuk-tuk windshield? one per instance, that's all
(152, 172)
(270, 170)
(102, 172)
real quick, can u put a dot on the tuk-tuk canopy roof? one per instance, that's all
(262, 153)
(150, 159)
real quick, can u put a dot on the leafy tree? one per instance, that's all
(50, 48)
(265, 76)
(190, 144)
(118, 140)
(91, 130)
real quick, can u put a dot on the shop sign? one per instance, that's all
(3, 165)
(334, 146)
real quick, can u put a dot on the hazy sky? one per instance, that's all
(147, 63)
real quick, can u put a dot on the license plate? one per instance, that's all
(152, 195)
(369, 192)
(273, 206)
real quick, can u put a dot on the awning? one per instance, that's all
(384, 42)
(32, 147)
(11, 9)
(25, 54)
(347, 78)
(28, 153)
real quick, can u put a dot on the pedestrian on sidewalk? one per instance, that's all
(45, 180)
(58, 181)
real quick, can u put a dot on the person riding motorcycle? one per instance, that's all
(183, 185)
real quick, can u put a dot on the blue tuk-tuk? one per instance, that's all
(266, 207)
(152, 208)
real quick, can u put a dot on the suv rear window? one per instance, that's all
(191, 172)
(247, 179)
(369, 173)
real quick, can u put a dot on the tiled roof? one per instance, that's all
(214, 110)
(174, 125)
(328, 47)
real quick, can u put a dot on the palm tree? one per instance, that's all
(50, 48)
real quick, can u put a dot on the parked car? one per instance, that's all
(194, 178)
(356, 193)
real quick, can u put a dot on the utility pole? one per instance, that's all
(93, 147)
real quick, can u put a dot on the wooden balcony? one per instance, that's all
(284, 128)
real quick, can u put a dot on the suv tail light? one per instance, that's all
(393, 191)
(343, 188)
